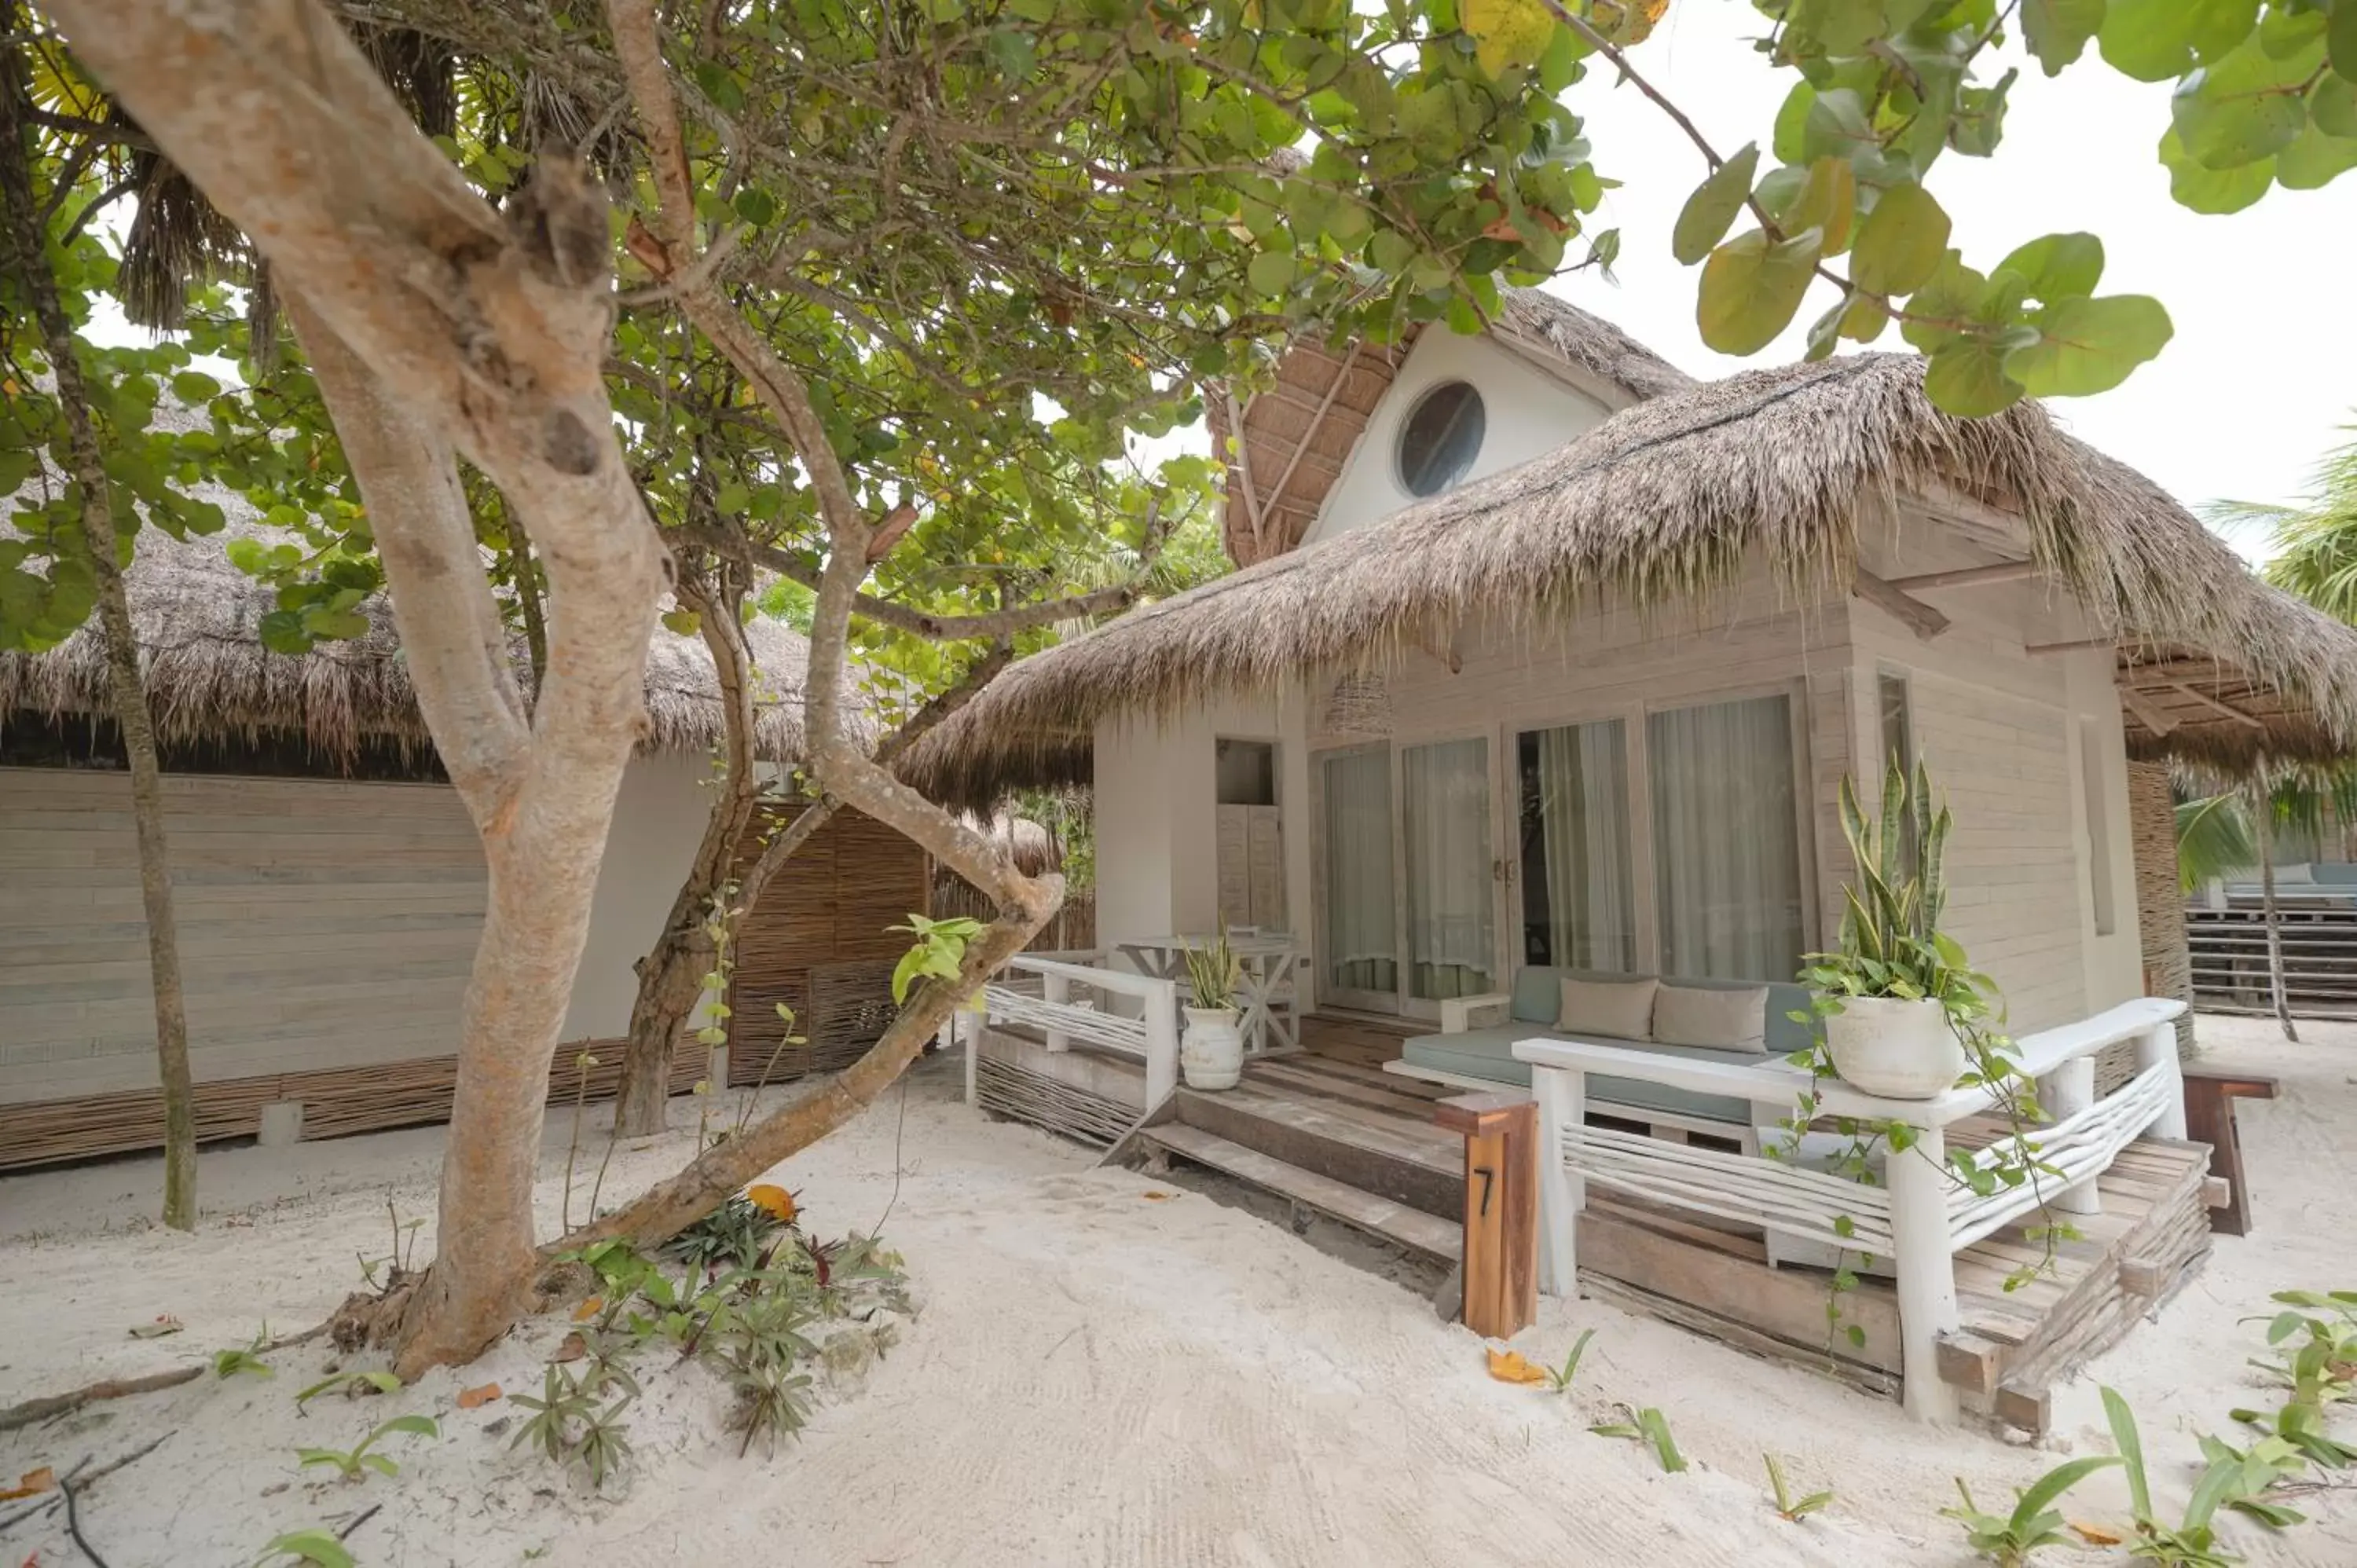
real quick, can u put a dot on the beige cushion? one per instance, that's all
(1617, 1009)
(1722, 1020)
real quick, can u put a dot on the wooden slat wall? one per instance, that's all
(322, 924)
(819, 941)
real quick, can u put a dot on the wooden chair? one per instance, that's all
(2210, 1096)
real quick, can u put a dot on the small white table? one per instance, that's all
(1266, 964)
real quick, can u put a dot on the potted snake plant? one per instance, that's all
(1898, 1000)
(1212, 1054)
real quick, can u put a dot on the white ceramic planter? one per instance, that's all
(1899, 1049)
(1212, 1054)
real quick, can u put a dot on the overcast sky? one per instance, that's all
(2244, 399)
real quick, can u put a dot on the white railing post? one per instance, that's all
(1921, 1253)
(1563, 1193)
(972, 1017)
(2156, 1046)
(1055, 989)
(1161, 1044)
(2068, 1092)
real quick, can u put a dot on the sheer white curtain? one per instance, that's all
(1583, 800)
(1451, 935)
(1727, 850)
(1361, 953)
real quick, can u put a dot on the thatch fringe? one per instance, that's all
(208, 677)
(1667, 501)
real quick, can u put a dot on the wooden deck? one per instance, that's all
(1328, 1130)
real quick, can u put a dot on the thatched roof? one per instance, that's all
(1667, 501)
(209, 677)
(1299, 433)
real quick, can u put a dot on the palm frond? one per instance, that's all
(2214, 837)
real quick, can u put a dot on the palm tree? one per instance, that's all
(2313, 553)
(2314, 543)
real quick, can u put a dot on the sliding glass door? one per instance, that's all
(1410, 915)
(1452, 933)
(1726, 842)
(1359, 938)
(1579, 903)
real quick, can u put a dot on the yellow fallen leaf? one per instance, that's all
(476, 1398)
(588, 1309)
(572, 1348)
(1155, 1195)
(776, 1201)
(35, 1481)
(1508, 1367)
(2097, 1535)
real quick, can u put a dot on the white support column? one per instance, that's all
(1161, 1044)
(1927, 1272)
(971, 1021)
(2069, 1090)
(2158, 1048)
(1056, 990)
(1562, 1100)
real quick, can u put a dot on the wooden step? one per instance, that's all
(1394, 1159)
(1412, 1228)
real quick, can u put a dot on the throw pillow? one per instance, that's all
(1615, 1009)
(1730, 1020)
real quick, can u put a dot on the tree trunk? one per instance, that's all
(126, 693)
(2262, 816)
(671, 976)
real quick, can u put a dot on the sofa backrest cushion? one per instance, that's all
(1538, 998)
(1725, 1020)
(1619, 1009)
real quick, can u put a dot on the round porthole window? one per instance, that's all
(1441, 438)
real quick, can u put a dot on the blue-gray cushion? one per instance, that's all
(1538, 998)
(1489, 1054)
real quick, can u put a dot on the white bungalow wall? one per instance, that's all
(2004, 733)
(322, 923)
(1528, 412)
(1158, 816)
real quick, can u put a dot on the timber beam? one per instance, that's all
(2223, 709)
(1967, 577)
(2147, 712)
(1920, 617)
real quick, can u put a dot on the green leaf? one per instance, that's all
(1792, 122)
(314, 1548)
(2334, 104)
(2214, 191)
(734, 498)
(423, 1425)
(1827, 201)
(756, 206)
(1900, 246)
(2340, 41)
(335, 626)
(2247, 107)
(1507, 32)
(2058, 30)
(1967, 377)
(1750, 289)
(2089, 346)
(1836, 128)
(2154, 41)
(2057, 266)
(195, 386)
(2315, 160)
(1711, 210)
(1271, 272)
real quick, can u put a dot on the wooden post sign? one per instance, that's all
(1502, 1209)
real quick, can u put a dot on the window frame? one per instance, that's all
(1408, 422)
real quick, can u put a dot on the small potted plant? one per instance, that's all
(1212, 1054)
(1898, 1000)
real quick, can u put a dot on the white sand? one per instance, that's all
(1095, 1377)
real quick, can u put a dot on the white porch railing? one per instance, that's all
(1053, 993)
(1919, 1219)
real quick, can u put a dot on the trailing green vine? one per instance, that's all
(1892, 946)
